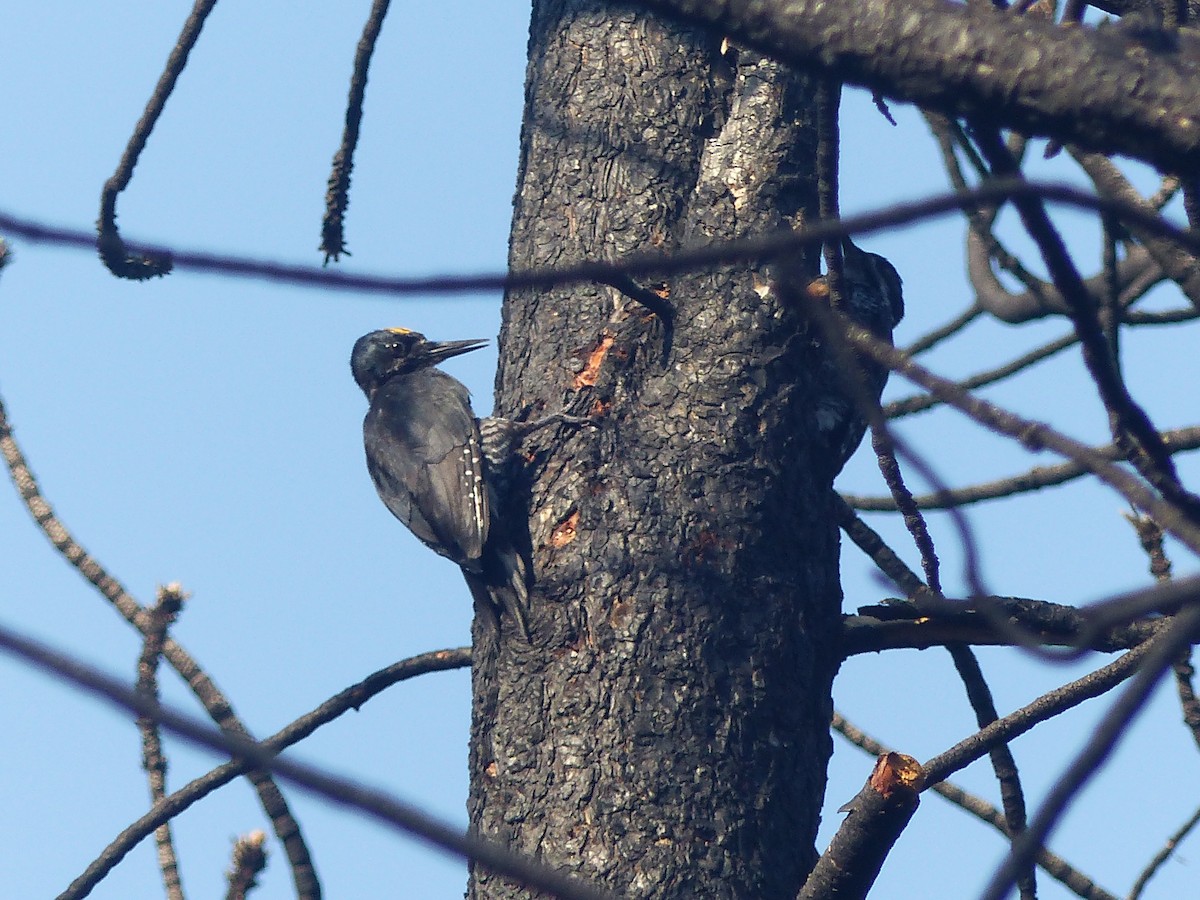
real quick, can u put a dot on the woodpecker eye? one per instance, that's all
(404, 341)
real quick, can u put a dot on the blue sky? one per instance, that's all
(207, 431)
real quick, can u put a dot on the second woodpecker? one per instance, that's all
(872, 297)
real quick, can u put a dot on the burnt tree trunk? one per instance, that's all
(666, 732)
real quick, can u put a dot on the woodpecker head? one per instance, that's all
(873, 291)
(382, 355)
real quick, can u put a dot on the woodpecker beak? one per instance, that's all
(849, 250)
(436, 351)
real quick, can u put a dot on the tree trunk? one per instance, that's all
(666, 732)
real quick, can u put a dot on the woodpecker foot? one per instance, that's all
(526, 428)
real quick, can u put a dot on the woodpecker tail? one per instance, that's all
(502, 589)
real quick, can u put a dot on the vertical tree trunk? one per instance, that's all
(667, 731)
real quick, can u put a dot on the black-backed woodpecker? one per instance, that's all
(872, 297)
(437, 467)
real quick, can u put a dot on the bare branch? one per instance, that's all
(249, 859)
(913, 520)
(1081, 85)
(900, 625)
(869, 542)
(122, 260)
(1150, 536)
(1131, 427)
(1179, 265)
(1184, 673)
(1137, 273)
(1164, 598)
(337, 195)
(1167, 317)
(651, 263)
(1033, 435)
(1164, 647)
(1045, 707)
(876, 817)
(1176, 441)
(159, 617)
(967, 666)
(1163, 855)
(1055, 866)
(906, 406)
(982, 243)
(215, 703)
(350, 699)
(1004, 766)
(936, 336)
(376, 804)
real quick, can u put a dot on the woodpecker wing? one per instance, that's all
(872, 298)
(424, 455)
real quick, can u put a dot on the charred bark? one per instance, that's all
(666, 731)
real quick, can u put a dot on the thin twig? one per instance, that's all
(906, 406)
(122, 260)
(650, 263)
(1137, 273)
(160, 617)
(1164, 598)
(1162, 856)
(1033, 435)
(838, 331)
(1166, 317)
(1049, 705)
(214, 701)
(885, 455)
(1004, 765)
(1110, 305)
(1184, 673)
(337, 195)
(249, 859)
(869, 542)
(1176, 441)
(351, 698)
(1163, 649)
(1150, 536)
(931, 339)
(376, 804)
(1131, 426)
(1179, 265)
(949, 136)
